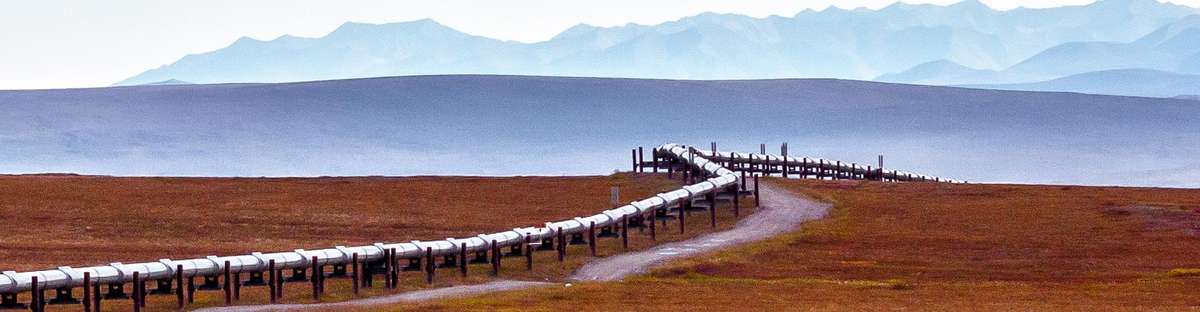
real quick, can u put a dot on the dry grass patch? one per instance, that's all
(1184, 273)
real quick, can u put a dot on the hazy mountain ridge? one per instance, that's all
(1128, 82)
(434, 124)
(1171, 50)
(855, 44)
(941, 72)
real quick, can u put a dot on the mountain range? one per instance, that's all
(963, 43)
(416, 125)
(1171, 51)
(1131, 82)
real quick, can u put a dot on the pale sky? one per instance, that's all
(88, 43)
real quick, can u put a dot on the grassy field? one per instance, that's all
(89, 220)
(925, 246)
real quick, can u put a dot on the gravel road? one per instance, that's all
(780, 212)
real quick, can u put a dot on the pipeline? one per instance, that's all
(768, 164)
(718, 178)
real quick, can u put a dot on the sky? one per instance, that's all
(87, 43)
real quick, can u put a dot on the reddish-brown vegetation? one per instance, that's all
(926, 246)
(90, 220)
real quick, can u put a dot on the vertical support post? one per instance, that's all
(387, 273)
(881, 167)
(395, 268)
(368, 277)
(804, 168)
(96, 296)
(142, 293)
(462, 262)
(137, 292)
(691, 163)
(633, 156)
(495, 259)
(641, 161)
(528, 253)
(654, 158)
(279, 280)
(592, 236)
(784, 151)
(191, 289)
(87, 291)
(237, 286)
(35, 294)
(228, 285)
(756, 197)
(388, 264)
(625, 232)
(750, 163)
(354, 277)
(271, 280)
(562, 245)
(429, 267)
(316, 290)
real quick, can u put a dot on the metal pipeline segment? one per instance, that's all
(823, 164)
(67, 277)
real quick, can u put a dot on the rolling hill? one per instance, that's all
(553, 125)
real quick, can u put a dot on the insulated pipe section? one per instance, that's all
(823, 164)
(117, 273)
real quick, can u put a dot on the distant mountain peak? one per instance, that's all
(576, 30)
(971, 4)
(246, 40)
(358, 27)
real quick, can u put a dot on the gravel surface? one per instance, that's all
(781, 212)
